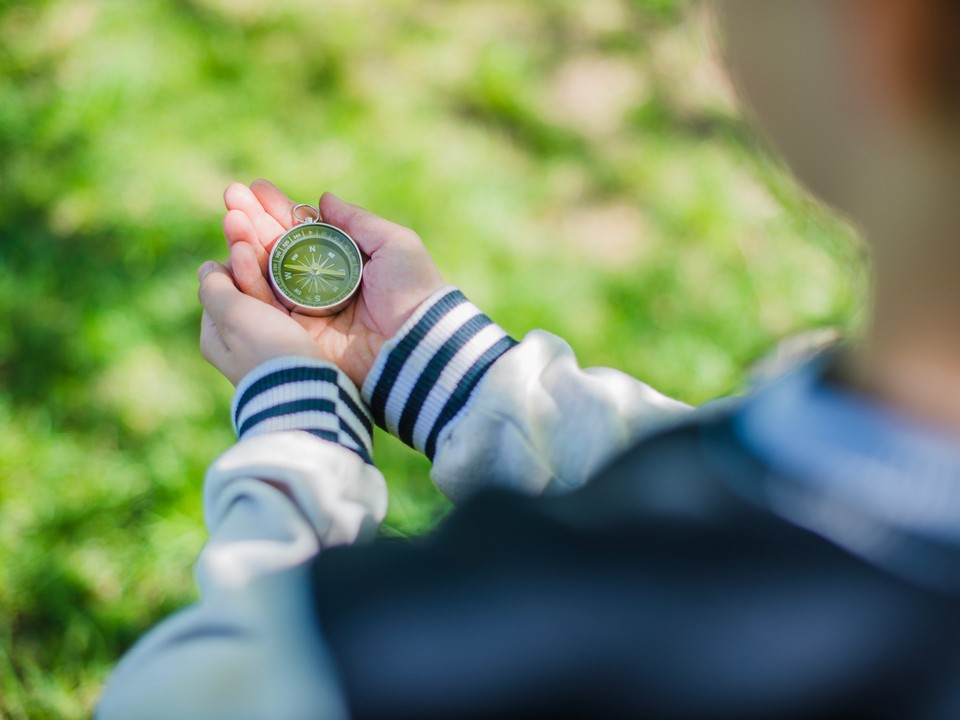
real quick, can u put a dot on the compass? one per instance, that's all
(315, 268)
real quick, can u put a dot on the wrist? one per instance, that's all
(424, 376)
(405, 308)
(307, 394)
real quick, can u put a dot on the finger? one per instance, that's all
(370, 231)
(214, 348)
(274, 201)
(249, 277)
(240, 197)
(204, 269)
(237, 229)
(218, 294)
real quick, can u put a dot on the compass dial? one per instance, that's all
(315, 268)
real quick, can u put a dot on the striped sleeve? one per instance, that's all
(296, 393)
(426, 374)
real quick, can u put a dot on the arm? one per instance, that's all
(298, 482)
(489, 411)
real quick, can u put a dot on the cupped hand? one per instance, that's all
(398, 273)
(238, 332)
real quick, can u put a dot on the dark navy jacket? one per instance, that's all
(663, 589)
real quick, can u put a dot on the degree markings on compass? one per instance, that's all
(313, 267)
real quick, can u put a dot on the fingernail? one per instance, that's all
(205, 269)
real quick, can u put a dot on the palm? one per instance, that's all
(349, 339)
(398, 274)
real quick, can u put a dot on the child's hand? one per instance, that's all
(238, 332)
(398, 274)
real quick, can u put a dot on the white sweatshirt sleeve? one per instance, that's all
(300, 480)
(489, 411)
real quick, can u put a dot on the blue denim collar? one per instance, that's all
(855, 452)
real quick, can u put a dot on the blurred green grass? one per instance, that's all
(574, 166)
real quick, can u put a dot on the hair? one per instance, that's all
(930, 44)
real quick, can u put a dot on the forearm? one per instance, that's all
(490, 411)
(294, 485)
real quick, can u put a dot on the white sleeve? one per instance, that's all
(298, 481)
(489, 411)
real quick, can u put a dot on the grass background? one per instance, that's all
(579, 167)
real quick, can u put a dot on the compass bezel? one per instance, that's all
(285, 242)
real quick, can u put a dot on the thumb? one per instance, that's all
(218, 294)
(370, 231)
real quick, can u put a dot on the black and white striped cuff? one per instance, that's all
(424, 377)
(296, 393)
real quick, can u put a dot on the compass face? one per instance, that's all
(315, 268)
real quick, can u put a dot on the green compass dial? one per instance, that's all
(315, 268)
